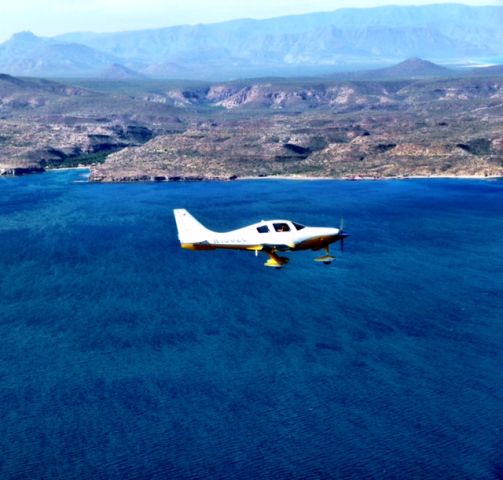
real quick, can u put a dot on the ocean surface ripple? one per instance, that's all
(124, 357)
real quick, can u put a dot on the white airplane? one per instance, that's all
(268, 236)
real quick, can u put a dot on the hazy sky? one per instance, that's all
(51, 17)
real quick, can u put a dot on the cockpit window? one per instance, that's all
(263, 229)
(298, 226)
(281, 227)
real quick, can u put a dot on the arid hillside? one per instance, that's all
(342, 129)
(143, 130)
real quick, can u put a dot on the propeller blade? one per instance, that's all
(342, 234)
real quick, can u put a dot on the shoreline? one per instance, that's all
(313, 179)
(63, 169)
(358, 178)
(355, 178)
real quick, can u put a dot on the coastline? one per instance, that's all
(63, 169)
(360, 178)
(287, 177)
(309, 179)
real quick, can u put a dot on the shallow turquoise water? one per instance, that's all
(123, 356)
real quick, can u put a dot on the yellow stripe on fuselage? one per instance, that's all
(208, 246)
(314, 243)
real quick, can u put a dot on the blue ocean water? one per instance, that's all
(123, 356)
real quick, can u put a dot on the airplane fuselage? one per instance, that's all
(269, 236)
(282, 235)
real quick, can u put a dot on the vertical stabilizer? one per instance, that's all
(190, 231)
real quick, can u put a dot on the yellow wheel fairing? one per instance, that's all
(275, 260)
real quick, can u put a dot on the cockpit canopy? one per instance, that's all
(279, 226)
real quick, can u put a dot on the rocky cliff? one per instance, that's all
(310, 146)
(348, 129)
(316, 127)
(49, 124)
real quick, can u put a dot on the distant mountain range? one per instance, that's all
(346, 39)
(27, 54)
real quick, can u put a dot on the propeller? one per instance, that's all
(342, 234)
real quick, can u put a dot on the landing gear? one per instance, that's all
(276, 261)
(327, 259)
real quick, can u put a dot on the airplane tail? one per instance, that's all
(190, 231)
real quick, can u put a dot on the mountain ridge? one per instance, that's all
(345, 39)
(222, 130)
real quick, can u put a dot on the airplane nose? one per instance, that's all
(331, 232)
(338, 234)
